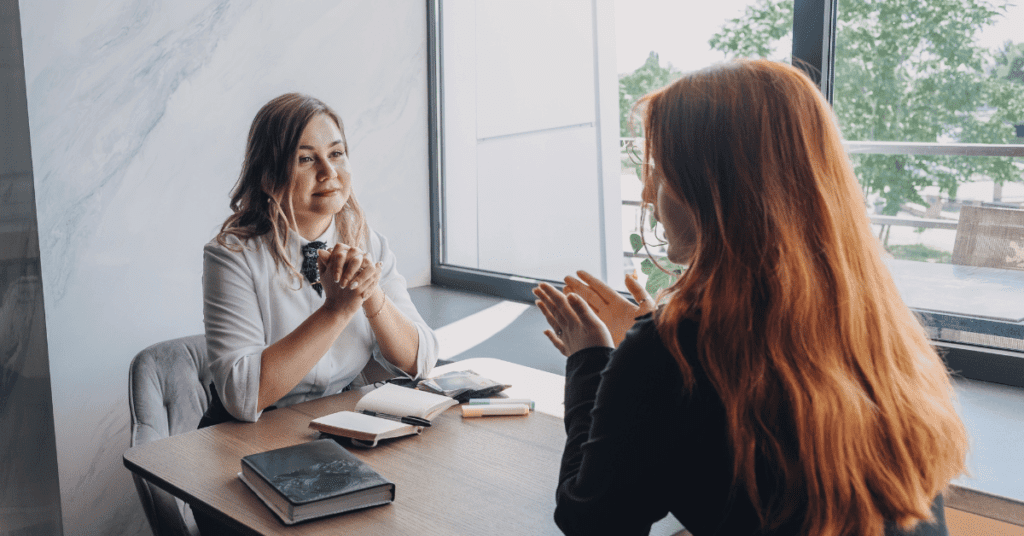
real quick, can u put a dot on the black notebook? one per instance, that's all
(314, 479)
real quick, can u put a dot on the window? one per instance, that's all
(930, 114)
(533, 178)
(529, 187)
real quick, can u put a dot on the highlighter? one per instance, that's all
(492, 401)
(483, 410)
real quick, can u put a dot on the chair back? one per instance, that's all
(167, 395)
(991, 237)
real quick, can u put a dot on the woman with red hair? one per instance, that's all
(782, 386)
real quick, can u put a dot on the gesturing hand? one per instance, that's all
(574, 326)
(348, 275)
(616, 312)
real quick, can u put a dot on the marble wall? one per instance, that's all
(138, 112)
(29, 494)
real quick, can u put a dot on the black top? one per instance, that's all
(639, 446)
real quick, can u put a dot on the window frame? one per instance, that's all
(500, 284)
(814, 38)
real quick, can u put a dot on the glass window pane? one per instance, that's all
(535, 96)
(941, 75)
(526, 182)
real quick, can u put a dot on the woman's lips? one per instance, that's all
(326, 193)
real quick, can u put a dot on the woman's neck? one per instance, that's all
(313, 228)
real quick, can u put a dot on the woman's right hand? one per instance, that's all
(618, 313)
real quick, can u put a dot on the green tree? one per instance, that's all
(646, 78)
(905, 70)
(1010, 62)
(1009, 66)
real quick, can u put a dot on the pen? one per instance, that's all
(492, 401)
(415, 421)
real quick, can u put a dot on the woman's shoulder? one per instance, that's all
(644, 343)
(645, 330)
(228, 242)
(233, 250)
(377, 244)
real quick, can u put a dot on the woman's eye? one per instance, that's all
(305, 159)
(337, 154)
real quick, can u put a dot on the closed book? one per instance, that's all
(397, 402)
(314, 479)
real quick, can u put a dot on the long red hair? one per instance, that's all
(824, 372)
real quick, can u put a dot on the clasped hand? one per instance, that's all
(590, 313)
(349, 276)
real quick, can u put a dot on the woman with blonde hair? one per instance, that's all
(782, 386)
(299, 294)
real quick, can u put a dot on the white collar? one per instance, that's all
(329, 237)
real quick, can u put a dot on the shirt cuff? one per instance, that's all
(426, 354)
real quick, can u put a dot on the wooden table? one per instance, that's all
(494, 475)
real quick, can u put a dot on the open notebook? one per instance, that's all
(367, 430)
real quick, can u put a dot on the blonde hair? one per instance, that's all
(824, 372)
(262, 191)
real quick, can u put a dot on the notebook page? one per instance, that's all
(347, 420)
(404, 402)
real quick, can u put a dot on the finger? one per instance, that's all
(334, 261)
(638, 291)
(553, 300)
(372, 280)
(557, 304)
(363, 275)
(556, 327)
(607, 293)
(582, 310)
(578, 287)
(556, 341)
(353, 262)
(547, 316)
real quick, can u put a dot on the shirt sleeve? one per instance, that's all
(606, 484)
(235, 337)
(396, 289)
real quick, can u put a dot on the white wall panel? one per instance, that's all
(539, 204)
(523, 79)
(535, 65)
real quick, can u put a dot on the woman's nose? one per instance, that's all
(326, 171)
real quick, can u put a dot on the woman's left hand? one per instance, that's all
(574, 326)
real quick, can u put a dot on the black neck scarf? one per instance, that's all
(309, 265)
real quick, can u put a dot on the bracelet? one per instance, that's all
(383, 302)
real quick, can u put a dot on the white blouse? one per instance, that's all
(249, 303)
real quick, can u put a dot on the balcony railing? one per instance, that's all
(632, 148)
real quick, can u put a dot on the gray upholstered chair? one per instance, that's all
(167, 395)
(168, 392)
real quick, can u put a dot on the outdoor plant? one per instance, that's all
(661, 275)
